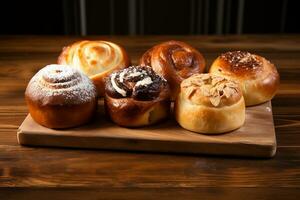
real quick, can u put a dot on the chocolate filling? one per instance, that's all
(138, 82)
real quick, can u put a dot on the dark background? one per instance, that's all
(138, 17)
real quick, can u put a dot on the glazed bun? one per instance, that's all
(96, 59)
(137, 96)
(59, 96)
(258, 77)
(175, 61)
(209, 104)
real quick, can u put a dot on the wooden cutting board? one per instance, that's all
(256, 138)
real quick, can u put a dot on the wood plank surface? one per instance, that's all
(256, 138)
(29, 173)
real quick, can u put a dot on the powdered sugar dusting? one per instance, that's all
(60, 84)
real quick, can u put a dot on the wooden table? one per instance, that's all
(76, 174)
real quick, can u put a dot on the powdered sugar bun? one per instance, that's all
(59, 85)
(59, 96)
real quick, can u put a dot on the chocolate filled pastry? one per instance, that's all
(137, 96)
(209, 104)
(96, 59)
(59, 96)
(175, 61)
(258, 77)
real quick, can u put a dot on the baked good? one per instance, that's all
(175, 61)
(209, 104)
(137, 96)
(96, 59)
(59, 96)
(258, 77)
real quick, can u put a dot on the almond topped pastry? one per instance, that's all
(210, 104)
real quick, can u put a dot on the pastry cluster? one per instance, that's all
(65, 95)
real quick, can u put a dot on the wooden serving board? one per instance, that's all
(256, 138)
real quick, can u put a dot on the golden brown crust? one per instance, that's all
(209, 120)
(59, 96)
(258, 77)
(175, 61)
(133, 113)
(61, 116)
(97, 59)
(209, 104)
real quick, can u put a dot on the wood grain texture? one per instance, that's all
(70, 174)
(256, 138)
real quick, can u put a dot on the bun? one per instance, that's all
(258, 77)
(209, 104)
(60, 97)
(137, 96)
(175, 61)
(96, 59)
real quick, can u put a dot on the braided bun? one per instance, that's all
(175, 61)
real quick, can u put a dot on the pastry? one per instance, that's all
(96, 59)
(59, 96)
(258, 77)
(175, 61)
(209, 104)
(137, 96)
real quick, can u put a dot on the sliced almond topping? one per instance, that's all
(205, 76)
(216, 79)
(215, 100)
(220, 87)
(211, 86)
(186, 84)
(228, 92)
(190, 91)
(231, 84)
(205, 89)
(213, 91)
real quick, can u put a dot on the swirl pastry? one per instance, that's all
(175, 61)
(96, 59)
(209, 104)
(258, 77)
(136, 96)
(59, 96)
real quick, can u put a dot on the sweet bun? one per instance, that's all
(258, 77)
(209, 104)
(59, 96)
(96, 59)
(137, 96)
(175, 61)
